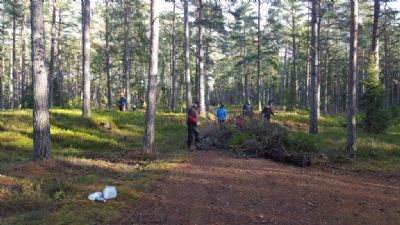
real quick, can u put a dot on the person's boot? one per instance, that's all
(189, 149)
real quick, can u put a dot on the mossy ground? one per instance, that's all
(87, 157)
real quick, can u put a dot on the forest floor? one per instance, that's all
(215, 187)
(205, 187)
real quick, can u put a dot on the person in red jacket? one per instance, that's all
(192, 122)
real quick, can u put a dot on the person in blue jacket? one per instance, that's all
(221, 114)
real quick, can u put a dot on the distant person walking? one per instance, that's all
(247, 110)
(267, 111)
(192, 122)
(222, 114)
(122, 102)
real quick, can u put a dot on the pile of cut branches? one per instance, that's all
(266, 144)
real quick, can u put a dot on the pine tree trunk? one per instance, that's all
(200, 56)
(351, 111)
(86, 58)
(126, 56)
(100, 88)
(313, 129)
(173, 63)
(326, 81)
(149, 131)
(186, 49)
(10, 81)
(22, 62)
(41, 121)
(386, 72)
(338, 93)
(259, 57)
(107, 34)
(283, 79)
(60, 74)
(294, 81)
(52, 57)
(2, 75)
(374, 38)
(14, 65)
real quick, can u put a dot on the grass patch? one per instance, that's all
(86, 158)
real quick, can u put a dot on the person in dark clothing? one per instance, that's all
(267, 112)
(247, 110)
(192, 122)
(122, 102)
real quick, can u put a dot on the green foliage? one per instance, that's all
(376, 119)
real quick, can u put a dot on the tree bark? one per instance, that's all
(374, 38)
(100, 88)
(294, 82)
(10, 81)
(200, 57)
(52, 57)
(22, 61)
(313, 129)
(352, 95)
(186, 49)
(173, 64)
(2, 75)
(14, 102)
(60, 74)
(386, 72)
(107, 34)
(86, 57)
(41, 121)
(259, 56)
(151, 98)
(126, 55)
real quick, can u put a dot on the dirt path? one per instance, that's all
(213, 187)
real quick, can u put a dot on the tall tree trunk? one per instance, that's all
(100, 88)
(200, 56)
(338, 92)
(173, 59)
(386, 72)
(78, 78)
(283, 82)
(259, 56)
(245, 74)
(22, 61)
(206, 74)
(149, 131)
(14, 65)
(60, 74)
(374, 38)
(41, 121)
(294, 81)
(107, 34)
(52, 57)
(3, 55)
(186, 49)
(352, 95)
(86, 57)
(126, 55)
(326, 81)
(313, 129)
(10, 81)
(308, 69)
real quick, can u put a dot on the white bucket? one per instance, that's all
(95, 195)
(109, 192)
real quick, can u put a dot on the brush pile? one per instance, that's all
(267, 141)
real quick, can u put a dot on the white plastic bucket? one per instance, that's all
(109, 192)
